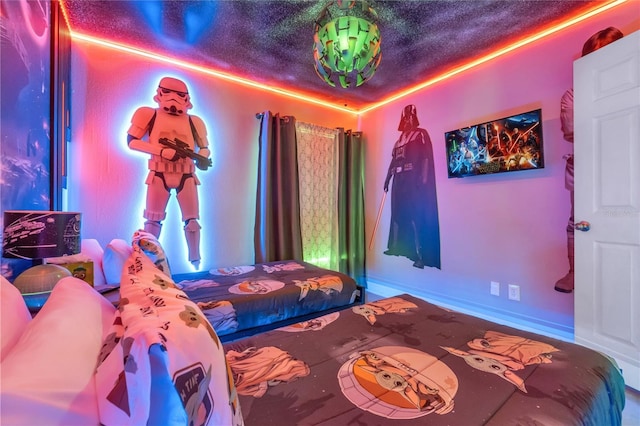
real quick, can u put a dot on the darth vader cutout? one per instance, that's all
(414, 229)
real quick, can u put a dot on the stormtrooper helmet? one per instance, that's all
(173, 96)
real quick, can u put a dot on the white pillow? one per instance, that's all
(115, 254)
(48, 377)
(14, 316)
(93, 249)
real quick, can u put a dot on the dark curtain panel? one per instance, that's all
(351, 242)
(277, 234)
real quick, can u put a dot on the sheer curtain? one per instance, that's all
(318, 177)
(277, 233)
(310, 197)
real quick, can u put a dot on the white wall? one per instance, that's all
(508, 228)
(106, 179)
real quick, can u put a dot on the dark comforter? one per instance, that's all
(401, 360)
(247, 299)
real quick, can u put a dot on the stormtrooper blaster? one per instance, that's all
(183, 151)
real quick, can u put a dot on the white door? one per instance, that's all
(607, 195)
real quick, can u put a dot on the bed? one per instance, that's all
(244, 300)
(405, 360)
(157, 359)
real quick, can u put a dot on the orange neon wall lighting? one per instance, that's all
(209, 71)
(499, 52)
(327, 104)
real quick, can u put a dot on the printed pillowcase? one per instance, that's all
(162, 362)
(150, 245)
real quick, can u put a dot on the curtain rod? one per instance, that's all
(260, 115)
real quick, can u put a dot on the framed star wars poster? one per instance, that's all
(507, 144)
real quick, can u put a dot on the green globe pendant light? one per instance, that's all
(346, 43)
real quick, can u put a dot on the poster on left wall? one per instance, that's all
(25, 149)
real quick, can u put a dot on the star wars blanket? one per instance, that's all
(401, 360)
(244, 300)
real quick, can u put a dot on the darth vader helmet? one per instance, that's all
(409, 118)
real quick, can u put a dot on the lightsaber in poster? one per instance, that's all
(375, 227)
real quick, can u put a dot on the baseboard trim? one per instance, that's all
(521, 322)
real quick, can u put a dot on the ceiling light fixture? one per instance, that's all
(346, 45)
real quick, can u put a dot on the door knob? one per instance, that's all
(583, 226)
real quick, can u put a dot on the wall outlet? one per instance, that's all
(495, 288)
(514, 292)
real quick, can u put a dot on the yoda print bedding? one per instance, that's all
(243, 300)
(404, 360)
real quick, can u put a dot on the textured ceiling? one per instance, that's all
(271, 42)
